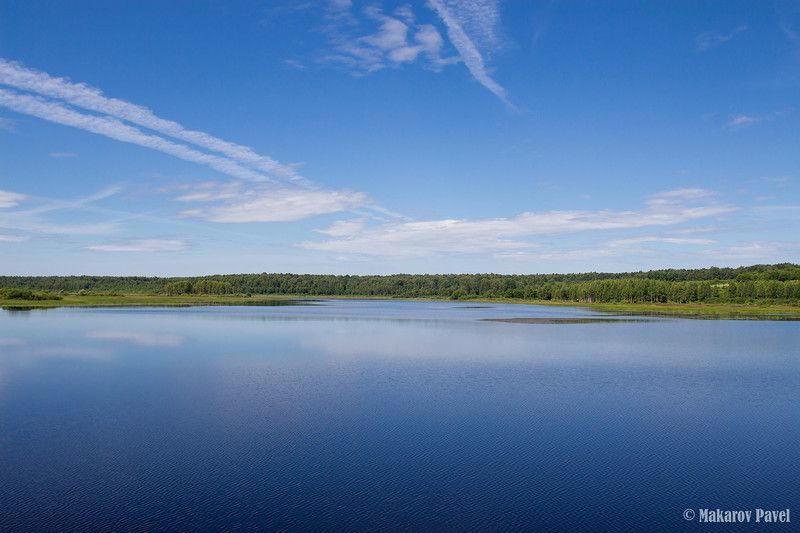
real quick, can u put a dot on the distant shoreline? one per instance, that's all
(685, 310)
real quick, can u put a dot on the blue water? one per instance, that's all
(380, 415)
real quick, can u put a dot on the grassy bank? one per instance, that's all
(688, 310)
(143, 300)
(704, 310)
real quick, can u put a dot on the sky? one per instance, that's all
(444, 136)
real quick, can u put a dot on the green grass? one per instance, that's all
(703, 310)
(142, 300)
(689, 310)
(760, 311)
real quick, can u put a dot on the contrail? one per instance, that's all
(90, 98)
(109, 127)
(468, 51)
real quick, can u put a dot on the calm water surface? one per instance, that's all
(374, 415)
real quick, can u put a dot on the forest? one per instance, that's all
(757, 283)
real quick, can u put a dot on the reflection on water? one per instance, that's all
(390, 415)
(271, 302)
(581, 320)
(136, 337)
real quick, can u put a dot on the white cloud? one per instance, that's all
(83, 202)
(767, 251)
(431, 43)
(475, 17)
(741, 121)
(236, 161)
(623, 243)
(398, 39)
(12, 238)
(23, 222)
(711, 39)
(142, 245)
(613, 248)
(62, 154)
(777, 180)
(269, 204)
(392, 35)
(421, 238)
(163, 340)
(343, 228)
(211, 192)
(295, 64)
(677, 196)
(91, 98)
(115, 129)
(74, 229)
(30, 219)
(558, 255)
(505, 235)
(10, 199)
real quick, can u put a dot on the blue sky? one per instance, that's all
(178, 138)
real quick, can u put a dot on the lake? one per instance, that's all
(392, 415)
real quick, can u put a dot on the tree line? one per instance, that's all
(780, 282)
(10, 293)
(198, 286)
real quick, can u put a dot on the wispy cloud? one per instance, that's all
(115, 129)
(10, 199)
(12, 238)
(44, 217)
(789, 20)
(102, 228)
(295, 64)
(780, 181)
(582, 254)
(771, 251)
(608, 249)
(59, 205)
(90, 98)
(210, 191)
(38, 227)
(478, 17)
(624, 243)
(235, 203)
(143, 245)
(62, 154)
(678, 196)
(433, 237)
(75, 104)
(742, 121)
(710, 39)
(398, 39)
